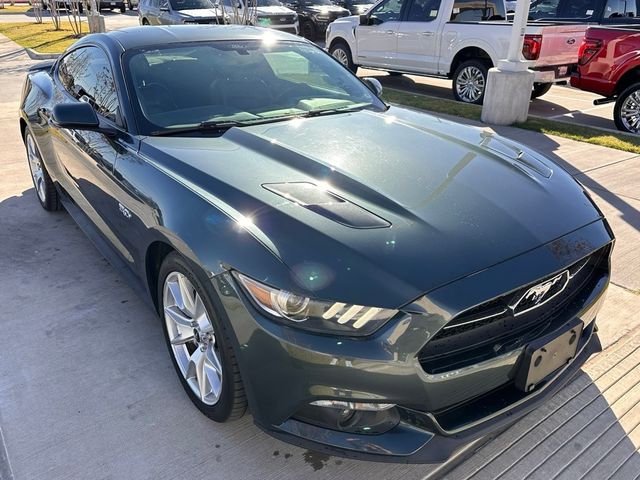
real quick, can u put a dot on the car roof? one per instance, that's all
(136, 37)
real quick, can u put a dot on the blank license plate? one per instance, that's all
(547, 354)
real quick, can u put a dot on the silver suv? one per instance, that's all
(172, 12)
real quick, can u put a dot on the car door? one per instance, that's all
(419, 37)
(87, 157)
(378, 39)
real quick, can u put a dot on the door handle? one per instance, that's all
(427, 34)
(390, 32)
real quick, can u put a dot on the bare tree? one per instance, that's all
(55, 13)
(74, 17)
(243, 16)
(37, 10)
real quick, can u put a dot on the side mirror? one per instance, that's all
(78, 116)
(364, 20)
(368, 19)
(373, 84)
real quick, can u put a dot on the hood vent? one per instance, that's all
(328, 204)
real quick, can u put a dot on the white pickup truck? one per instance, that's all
(457, 39)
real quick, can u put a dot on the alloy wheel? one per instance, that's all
(630, 112)
(35, 165)
(192, 338)
(340, 55)
(470, 84)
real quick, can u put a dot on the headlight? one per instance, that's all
(316, 315)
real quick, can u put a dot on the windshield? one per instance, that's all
(182, 85)
(190, 4)
(564, 9)
(316, 2)
(268, 3)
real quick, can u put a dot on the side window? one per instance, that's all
(477, 11)
(621, 9)
(86, 74)
(423, 10)
(387, 11)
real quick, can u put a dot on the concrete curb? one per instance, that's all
(41, 56)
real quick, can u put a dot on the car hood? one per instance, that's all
(327, 9)
(274, 10)
(444, 200)
(201, 13)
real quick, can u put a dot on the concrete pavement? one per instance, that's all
(87, 389)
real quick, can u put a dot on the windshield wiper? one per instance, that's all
(333, 111)
(210, 126)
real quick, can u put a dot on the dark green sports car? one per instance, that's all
(368, 280)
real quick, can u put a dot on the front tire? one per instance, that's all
(540, 89)
(123, 8)
(341, 52)
(626, 113)
(470, 81)
(198, 342)
(45, 189)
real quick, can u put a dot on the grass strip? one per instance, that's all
(41, 37)
(15, 9)
(579, 133)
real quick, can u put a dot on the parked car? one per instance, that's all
(370, 281)
(315, 15)
(175, 12)
(457, 39)
(586, 11)
(355, 7)
(112, 5)
(63, 4)
(263, 13)
(609, 65)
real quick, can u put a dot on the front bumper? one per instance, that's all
(285, 369)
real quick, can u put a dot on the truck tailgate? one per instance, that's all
(560, 44)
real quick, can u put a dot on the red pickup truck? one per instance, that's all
(609, 65)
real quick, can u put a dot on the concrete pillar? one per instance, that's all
(506, 100)
(96, 22)
(509, 86)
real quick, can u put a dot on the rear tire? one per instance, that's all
(540, 89)
(206, 363)
(45, 189)
(626, 113)
(123, 8)
(342, 53)
(470, 81)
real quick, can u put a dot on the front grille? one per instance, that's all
(282, 20)
(206, 21)
(511, 321)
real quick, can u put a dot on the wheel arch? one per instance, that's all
(156, 252)
(469, 53)
(627, 79)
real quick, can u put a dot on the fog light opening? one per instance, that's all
(352, 417)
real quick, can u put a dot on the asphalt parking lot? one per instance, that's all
(562, 102)
(87, 389)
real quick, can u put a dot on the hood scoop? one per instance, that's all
(328, 204)
(515, 153)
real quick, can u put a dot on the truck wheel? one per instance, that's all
(470, 81)
(539, 89)
(626, 113)
(341, 52)
(308, 30)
